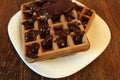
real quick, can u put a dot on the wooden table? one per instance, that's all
(105, 67)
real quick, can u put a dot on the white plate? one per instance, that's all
(98, 35)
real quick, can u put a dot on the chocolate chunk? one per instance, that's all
(58, 29)
(62, 38)
(84, 20)
(44, 30)
(27, 25)
(69, 17)
(55, 18)
(74, 27)
(42, 21)
(77, 38)
(78, 8)
(31, 35)
(31, 20)
(32, 50)
(61, 41)
(47, 43)
(64, 32)
(88, 12)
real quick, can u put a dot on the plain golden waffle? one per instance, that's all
(44, 38)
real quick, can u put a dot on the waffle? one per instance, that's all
(46, 37)
(86, 15)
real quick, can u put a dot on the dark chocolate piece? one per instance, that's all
(32, 50)
(88, 13)
(42, 21)
(44, 30)
(69, 17)
(31, 20)
(62, 38)
(58, 29)
(55, 18)
(77, 38)
(64, 32)
(74, 27)
(47, 43)
(31, 35)
(27, 25)
(61, 41)
(84, 20)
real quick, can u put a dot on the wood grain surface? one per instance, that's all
(105, 67)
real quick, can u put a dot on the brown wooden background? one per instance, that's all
(105, 67)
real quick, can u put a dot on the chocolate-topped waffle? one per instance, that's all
(50, 32)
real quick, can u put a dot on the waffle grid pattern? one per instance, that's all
(77, 18)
